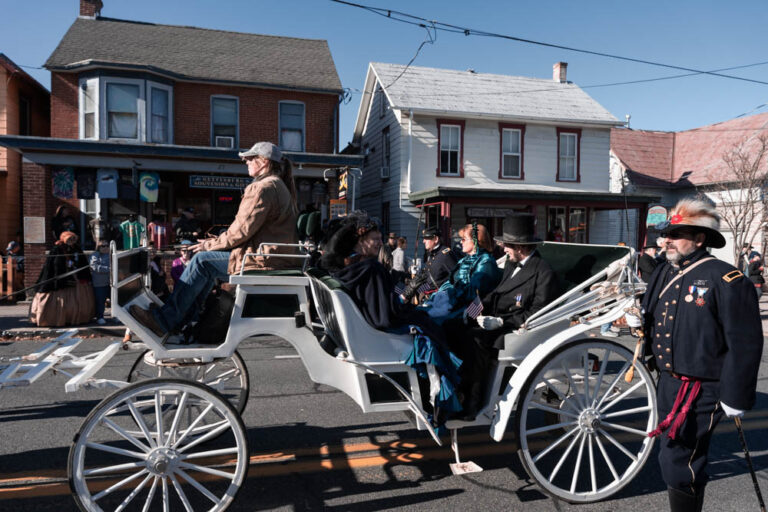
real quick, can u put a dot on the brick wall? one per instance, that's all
(64, 121)
(37, 188)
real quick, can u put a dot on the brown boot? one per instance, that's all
(147, 319)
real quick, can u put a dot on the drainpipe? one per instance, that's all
(410, 155)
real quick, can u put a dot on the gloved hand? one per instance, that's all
(633, 321)
(489, 323)
(731, 412)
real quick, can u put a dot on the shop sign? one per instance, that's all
(34, 230)
(656, 214)
(343, 185)
(338, 208)
(219, 182)
(490, 212)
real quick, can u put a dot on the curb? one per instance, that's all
(18, 334)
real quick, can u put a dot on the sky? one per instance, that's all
(700, 35)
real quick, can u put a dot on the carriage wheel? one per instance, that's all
(228, 376)
(581, 426)
(167, 465)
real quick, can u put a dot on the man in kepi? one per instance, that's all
(528, 284)
(703, 328)
(439, 261)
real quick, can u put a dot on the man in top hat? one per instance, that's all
(527, 285)
(647, 262)
(439, 261)
(385, 253)
(703, 327)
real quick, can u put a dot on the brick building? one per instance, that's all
(134, 101)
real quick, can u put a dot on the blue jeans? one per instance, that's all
(605, 328)
(193, 287)
(100, 294)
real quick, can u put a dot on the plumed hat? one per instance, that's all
(697, 215)
(342, 243)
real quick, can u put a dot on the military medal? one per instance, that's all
(700, 300)
(518, 300)
(689, 297)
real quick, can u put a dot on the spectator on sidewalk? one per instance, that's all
(180, 263)
(755, 273)
(100, 277)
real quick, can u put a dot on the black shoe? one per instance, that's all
(681, 501)
(147, 319)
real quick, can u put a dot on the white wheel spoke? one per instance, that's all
(210, 435)
(206, 469)
(609, 389)
(645, 408)
(577, 466)
(177, 417)
(536, 405)
(618, 444)
(622, 396)
(587, 394)
(592, 475)
(210, 453)
(159, 417)
(564, 456)
(125, 435)
(133, 494)
(197, 485)
(166, 497)
(572, 383)
(549, 427)
(607, 460)
(635, 431)
(555, 444)
(181, 494)
(150, 495)
(139, 419)
(112, 469)
(116, 451)
(600, 376)
(119, 484)
(223, 376)
(192, 425)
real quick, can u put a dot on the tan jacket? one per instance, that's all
(266, 214)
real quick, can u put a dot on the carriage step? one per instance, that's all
(24, 370)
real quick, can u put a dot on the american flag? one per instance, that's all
(426, 287)
(475, 307)
(399, 289)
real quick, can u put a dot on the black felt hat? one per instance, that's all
(519, 228)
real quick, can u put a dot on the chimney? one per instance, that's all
(90, 8)
(558, 72)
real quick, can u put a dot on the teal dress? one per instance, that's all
(475, 274)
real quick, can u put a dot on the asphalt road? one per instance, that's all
(312, 449)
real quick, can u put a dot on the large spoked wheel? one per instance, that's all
(170, 462)
(581, 426)
(228, 376)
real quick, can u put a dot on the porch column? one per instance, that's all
(38, 209)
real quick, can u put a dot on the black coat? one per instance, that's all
(517, 298)
(706, 325)
(646, 265)
(439, 263)
(60, 260)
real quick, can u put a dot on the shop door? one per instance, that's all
(225, 205)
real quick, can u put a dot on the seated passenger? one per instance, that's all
(439, 262)
(267, 213)
(528, 284)
(475, 275)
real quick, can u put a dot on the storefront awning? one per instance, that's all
(532, 193)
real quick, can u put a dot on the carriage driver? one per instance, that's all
(527, 285)
(703, 327)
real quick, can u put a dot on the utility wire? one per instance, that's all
(417, 20)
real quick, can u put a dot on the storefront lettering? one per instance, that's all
(219, 182)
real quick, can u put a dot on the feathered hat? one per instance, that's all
(696, 214)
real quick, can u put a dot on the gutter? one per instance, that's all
(523, 119)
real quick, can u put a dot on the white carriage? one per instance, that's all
(171, 436)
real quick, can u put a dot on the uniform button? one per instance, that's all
(659, 324)
(674, 302)
(680, 272)
(669, 350)
(658, 346)
(658, 335)
(677, 286)
(667, 335)
(666, 303)
(668, 365)
(671, 317)
(660, 357)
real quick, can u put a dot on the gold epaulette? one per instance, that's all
(446, 250)
(732, 276)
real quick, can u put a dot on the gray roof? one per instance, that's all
(485, 94)
(197, 54)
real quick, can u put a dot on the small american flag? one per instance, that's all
(426, 288)
(475, 307)
(399, 289)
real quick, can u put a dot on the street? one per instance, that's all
(312, 449)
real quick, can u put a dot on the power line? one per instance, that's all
(411, 19)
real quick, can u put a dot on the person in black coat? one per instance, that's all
(647, 262)
(527, 285)
(439, 262)
(703, 328)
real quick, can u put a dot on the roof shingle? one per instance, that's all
(192, 53)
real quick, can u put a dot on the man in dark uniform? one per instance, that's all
(439, 261)
(527, 285)
(647, 262)
(704, 330)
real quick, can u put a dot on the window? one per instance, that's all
(387, 155)
(511, 160)
(123, 111)
(291, 126)
(577, 225)
(159, 115)
(568, 155)
(224, 116)
(382, 101)
(450, 135)
(567, 224)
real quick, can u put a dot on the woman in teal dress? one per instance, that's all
(476, 274)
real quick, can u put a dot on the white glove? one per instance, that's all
(633, 321)
(489, 323)
(731, 412)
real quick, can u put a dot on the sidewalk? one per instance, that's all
(14, 324)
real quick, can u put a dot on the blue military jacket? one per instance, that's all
(705, 323)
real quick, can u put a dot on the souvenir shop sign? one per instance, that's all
(338, 208)
(219, 182)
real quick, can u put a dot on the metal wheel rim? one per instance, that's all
(175, 467)
(595, 419)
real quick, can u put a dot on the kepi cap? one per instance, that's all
(264, 149)
(431, 232)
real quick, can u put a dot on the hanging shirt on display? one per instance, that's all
(160, 233)
(86, 183)
(63, 183)
(106, 183)
(148, 186)
(132, 232)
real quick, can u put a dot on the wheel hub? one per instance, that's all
(589, 420)
(162, 461)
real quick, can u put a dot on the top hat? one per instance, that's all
(431, 232)
(518, 228)
(695, 215)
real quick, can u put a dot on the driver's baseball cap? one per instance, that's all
(263, 149)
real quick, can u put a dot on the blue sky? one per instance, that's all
(701, 34)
